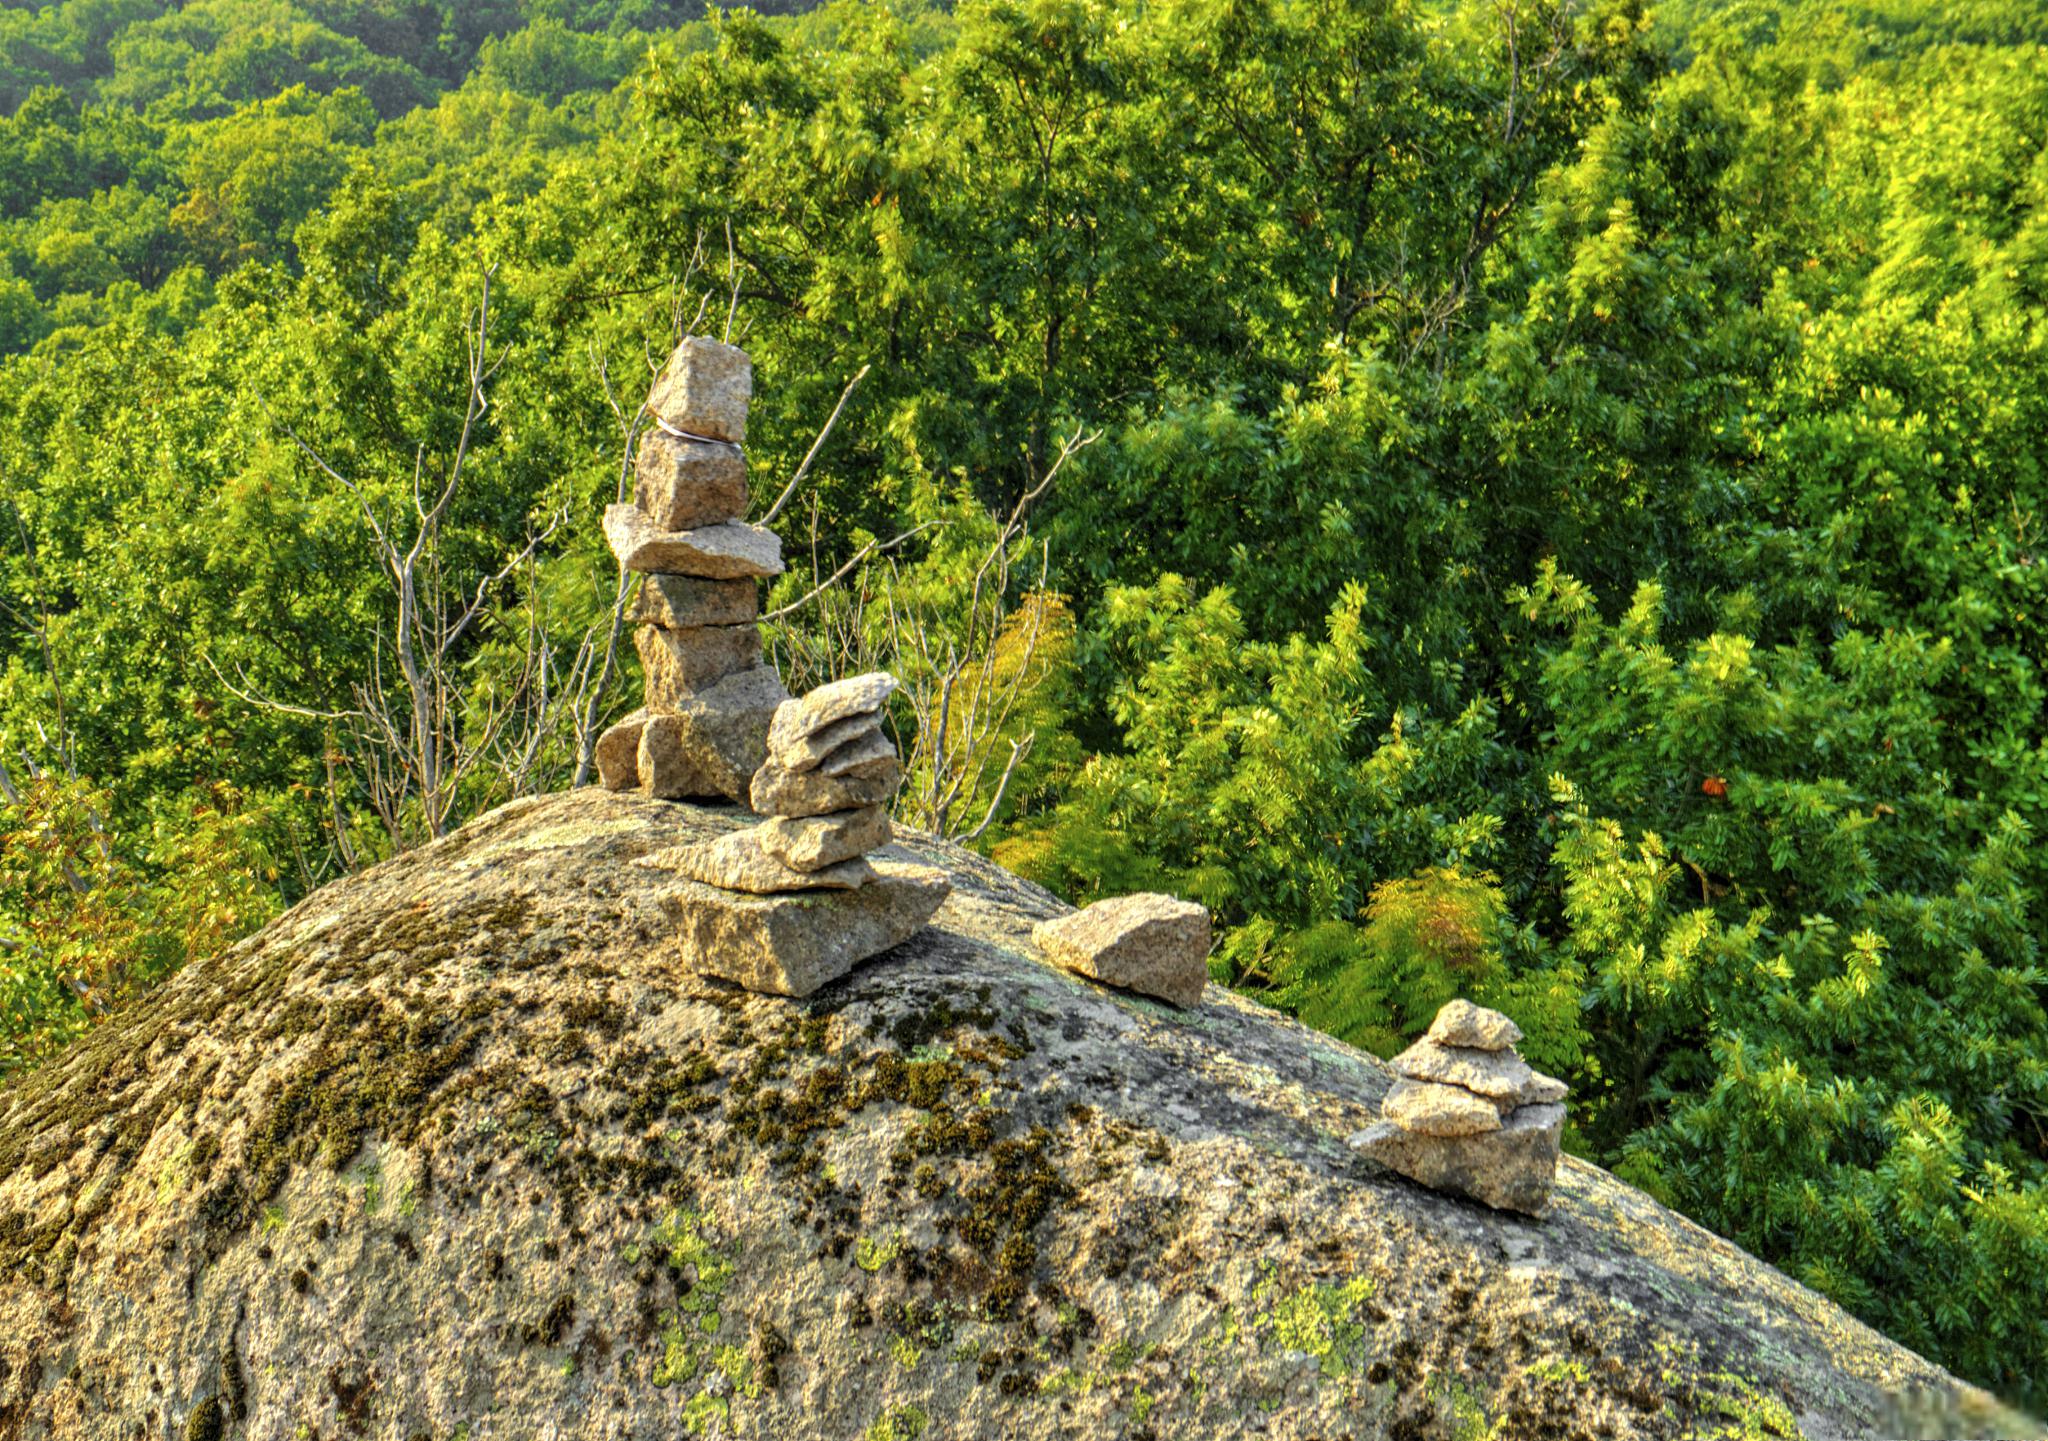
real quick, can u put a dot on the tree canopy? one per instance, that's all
(1564, 522)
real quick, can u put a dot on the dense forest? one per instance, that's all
(1525, 500)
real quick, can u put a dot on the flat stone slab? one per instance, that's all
(711, 552)
(1496, 1075)
(1151, 943)
(809, 843)
(704, 389)
(779, 792)
(737, 862)
(804, 752)
(814, 711)
(618, 752)
(870, 754)
(1433, 1109)
(1510, 1169)
(679, 602)
(714, 741)
(682, 484)
(1460, 1023)
(680, 664)
(791, 944)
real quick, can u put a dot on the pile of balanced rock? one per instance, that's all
(800, 898)
(709, 699)
(1469, 1115)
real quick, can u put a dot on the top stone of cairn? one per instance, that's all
(704, 389)
(1460, 1023)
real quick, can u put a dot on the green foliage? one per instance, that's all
(85, 926)
(1566, 528)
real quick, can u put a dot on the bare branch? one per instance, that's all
(816, 446)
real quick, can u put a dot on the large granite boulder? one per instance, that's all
(459, 1147)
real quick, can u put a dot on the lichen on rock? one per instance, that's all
(456, 1147)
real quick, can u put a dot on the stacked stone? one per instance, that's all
(1469, 1115)
(826, 788)
(709, 699)
(800, 899)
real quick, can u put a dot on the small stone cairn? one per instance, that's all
(826, 786)
(795, 901)
(1468, 1115)
(709, 698)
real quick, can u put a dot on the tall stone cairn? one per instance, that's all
(1469, 1116)
(703, 729)
(795, 902)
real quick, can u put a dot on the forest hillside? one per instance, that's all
(1534, 501)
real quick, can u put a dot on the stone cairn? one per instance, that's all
(709, 699)
(826, 786)
(796, 901)
(1468, 1114)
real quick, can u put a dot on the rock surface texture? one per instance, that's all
(704, 728)
(1469, 1115)
(457, 1148)
(1150, 943)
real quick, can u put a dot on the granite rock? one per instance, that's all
(804, 752)
(712, 552)
(776, 791)
(1496, 1075)
(618, 751)
(737, 862)
(1460, 1023)
(1151, 943)
(682, 484)
(507, 1026)
(1511, 1169)
(791, 944)
(808, 843)
(679, 602)
(867, 755)
(678, 664)
(813, 712)
(715, 740)
(704, 389)
(1431, 1108)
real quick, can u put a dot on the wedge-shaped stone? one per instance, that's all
(828, 704)
(870, 755)
(711, 552)
(791, 944)
(1460, 1023)
(1496, 1075)
(737, 862)
(704, 389)
(715, 740)
(809, 843)
(681, 484)
(1432, 1109)
(678, 602)
(1541, 1090)
(779, 792)
(1155, 944)
(805, 751)
(679, 664)
(618, 753)
(1511, 1169)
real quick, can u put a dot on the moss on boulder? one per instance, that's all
(456, 1148)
